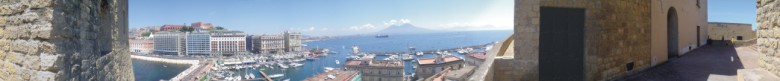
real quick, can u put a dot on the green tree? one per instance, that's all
(220, 28)
(146, 34)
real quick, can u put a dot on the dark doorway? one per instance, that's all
(739, 37)
(671, 29)
(561, 44)
(698, 36)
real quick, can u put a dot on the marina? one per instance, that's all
(300, 65)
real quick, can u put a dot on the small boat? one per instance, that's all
(392, 57)
(407, 57)
(251, 76)
(419, 53)
(246, 76)
(311, 58)
(328, 68)
(286, 79)
(275, 75)
(282, 65)
(296, 64)
(462, 51)
(337, 62)
(355, 50)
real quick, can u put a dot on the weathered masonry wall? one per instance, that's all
(729, 31)
(64, 40)
(768, 32)
(616, 33)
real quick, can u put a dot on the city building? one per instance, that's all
(201, 25)
(594, 40)
(475, 59)
(730, 31)
(250, 44)
(293, 41)
(170, 27)
(377, 70)
(269, 43)
(427, 67)
(461, 74)
(228, 42)
(198, 43)
(169, 43)
(336, 75)
(141, 46)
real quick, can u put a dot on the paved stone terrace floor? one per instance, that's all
(709, 63)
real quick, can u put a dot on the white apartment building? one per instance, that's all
(228, 42)
(141, 46)
(293, 41)
(269, 43)
(169, 43)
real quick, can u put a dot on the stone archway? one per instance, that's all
(672, 33)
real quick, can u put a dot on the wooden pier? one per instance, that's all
(265, 76)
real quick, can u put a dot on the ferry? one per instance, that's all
(381, 36)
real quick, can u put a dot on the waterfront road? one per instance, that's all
(708, 63)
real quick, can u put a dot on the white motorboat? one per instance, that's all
(337, 62)
(419, 53)
(251, 76)
(407, 57)
(296, 64)
(275, 75)
(282, 65)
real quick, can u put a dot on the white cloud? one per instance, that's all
(310, 29)
(397, 22)
(363, 27)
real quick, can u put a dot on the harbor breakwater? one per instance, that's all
(193, 64)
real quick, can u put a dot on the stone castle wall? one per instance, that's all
(73, 40)
(768, 34)
(727, 31)
(616, 33)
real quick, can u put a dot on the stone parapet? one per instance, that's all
(73, 40)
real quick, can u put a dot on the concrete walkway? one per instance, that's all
(709, 63)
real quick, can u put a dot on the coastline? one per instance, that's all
(194, 64)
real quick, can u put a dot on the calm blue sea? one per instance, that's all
(156, 71)
(393, 43)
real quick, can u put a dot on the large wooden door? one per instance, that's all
(561, 44)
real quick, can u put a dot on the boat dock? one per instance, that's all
(265, 76)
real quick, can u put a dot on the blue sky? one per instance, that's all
(325, 17)
(346, 17)
(734, 11)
